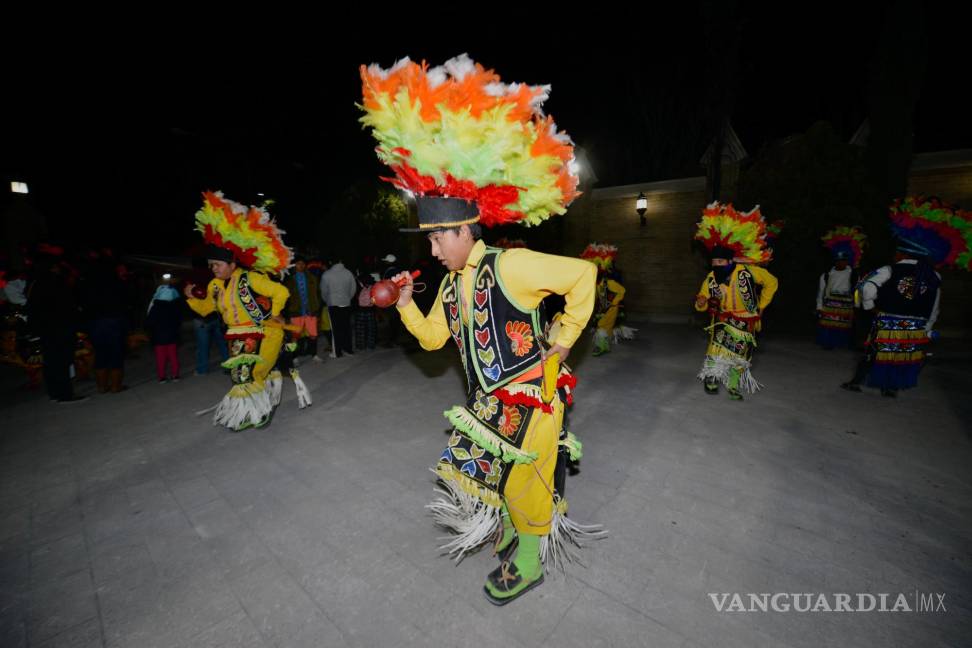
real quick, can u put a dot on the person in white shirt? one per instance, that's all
(338, 289)
(835, 304)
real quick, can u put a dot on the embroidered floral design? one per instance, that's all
(521, 338)
(486, 405)
(509, 421)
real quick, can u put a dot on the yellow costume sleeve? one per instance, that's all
(430, 330)
(206, 305)
(530, 276)
(768, 283)
(264, 285)
(702, 299)
(618, 291)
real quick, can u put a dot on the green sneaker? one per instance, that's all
(506, 553)
(506, 583)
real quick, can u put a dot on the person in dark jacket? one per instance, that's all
(303, 306)
(163, 323)
(105, 306)
(52, 314)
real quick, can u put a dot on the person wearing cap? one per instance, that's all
(835, 290)
(482, 155)
(905, 296)
(736, 244)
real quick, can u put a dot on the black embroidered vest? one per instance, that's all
(502, 340)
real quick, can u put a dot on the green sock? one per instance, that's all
(734, 376)
(527, 564)
(527, 559)
(508, 531)
(602, 343)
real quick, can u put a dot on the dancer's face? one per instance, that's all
(221, 269)
(451, 247)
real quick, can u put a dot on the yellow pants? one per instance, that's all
(607, 321)
(529, 489)
(269, 350)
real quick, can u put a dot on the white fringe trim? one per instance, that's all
(234, 412)
(624, 333)
(303, 394)
(476, 524)
(720, 367)
(473, 522)
(275, 386)
(559, 547)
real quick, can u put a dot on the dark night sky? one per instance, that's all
(120, 130)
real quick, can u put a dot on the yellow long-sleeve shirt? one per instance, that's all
(528, 277)
(225, 297)
(613, 287)
(731, 300)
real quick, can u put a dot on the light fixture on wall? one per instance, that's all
(641, 206)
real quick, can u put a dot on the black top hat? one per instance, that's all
(219, 254)
(437, 214)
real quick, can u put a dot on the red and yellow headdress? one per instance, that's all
(600, 254)
(744, 233)
(249, 233)
(456, 131)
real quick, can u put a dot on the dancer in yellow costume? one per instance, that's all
(610, 294)
(243, 245)
(476, 152)
(736, 243)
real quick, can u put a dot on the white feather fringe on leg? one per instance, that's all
(720, 367)
(303, 394)
(236, 411)
(275, 386)
(560, 546)
(624, 333)
(473, 522)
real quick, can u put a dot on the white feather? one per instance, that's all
(437, 76)
(460, 66)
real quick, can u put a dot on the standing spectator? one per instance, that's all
(104, 305)
(365, 323)
(209, 329)
(163, 323)
(52, 313)
(338, 289)
(391, 316)
(303, 306)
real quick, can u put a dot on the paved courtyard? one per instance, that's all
(127, 520)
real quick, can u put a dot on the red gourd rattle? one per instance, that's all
(385, 293)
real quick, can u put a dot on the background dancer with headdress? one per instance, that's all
(906, 295)
(736, 242)
(244, 246)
